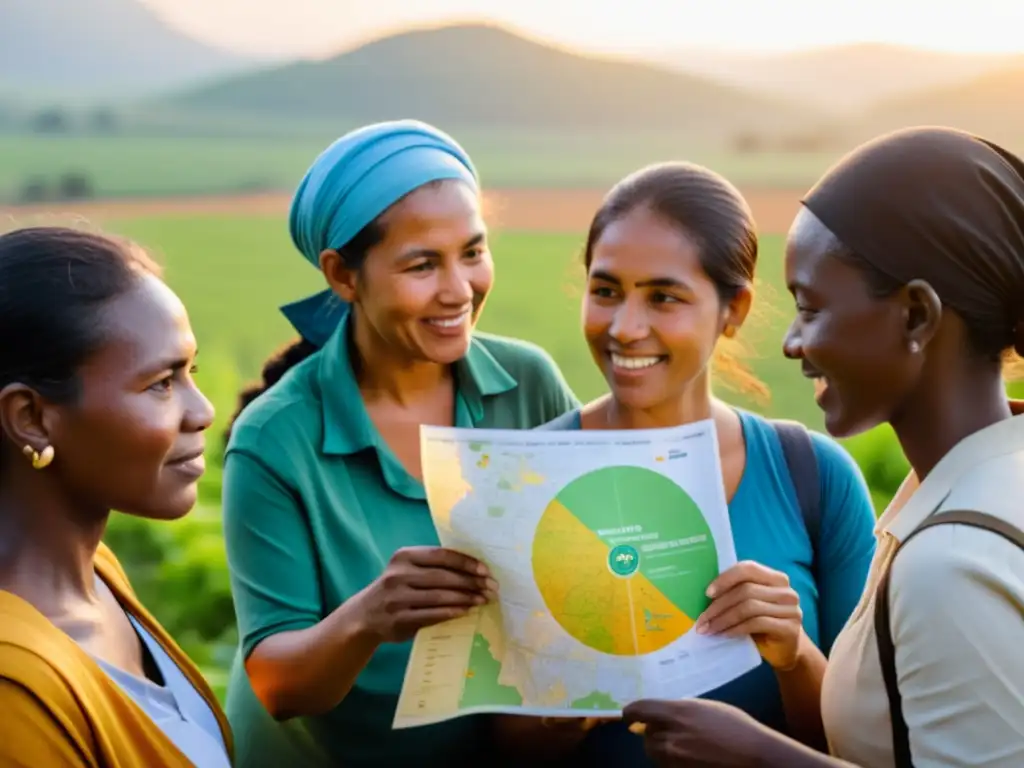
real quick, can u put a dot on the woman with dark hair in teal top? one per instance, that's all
(670, 261)
(334, 559)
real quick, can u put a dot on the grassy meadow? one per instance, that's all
(139, 165)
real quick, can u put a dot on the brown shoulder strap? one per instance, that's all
(883, 628)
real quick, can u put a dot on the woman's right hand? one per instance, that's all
(753, 599)
(422, 586)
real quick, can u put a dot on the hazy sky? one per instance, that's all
(317, 27)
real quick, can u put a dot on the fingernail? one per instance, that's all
(492, 585)
(702, 629)
(711, 591)
(482, 570)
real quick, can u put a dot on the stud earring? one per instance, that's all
(914, 347)
(39, 460)
(729, 332)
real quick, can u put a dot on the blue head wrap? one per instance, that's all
(349, 185)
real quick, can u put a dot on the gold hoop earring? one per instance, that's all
(39, 460)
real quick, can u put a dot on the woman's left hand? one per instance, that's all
(697, 732)
(752, 599)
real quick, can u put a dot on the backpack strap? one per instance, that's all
(802, 462)
(883, 627)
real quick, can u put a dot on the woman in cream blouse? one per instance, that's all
(907, 267)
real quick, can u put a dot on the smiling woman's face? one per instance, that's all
(422, 287)
(850, 342)
(652, 315)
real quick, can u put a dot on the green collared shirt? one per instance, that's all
(315, 504)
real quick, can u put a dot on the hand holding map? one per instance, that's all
(603, 544)
(752, 599)
(422, 586)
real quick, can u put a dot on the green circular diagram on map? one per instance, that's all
(622, 557)
(624, 560)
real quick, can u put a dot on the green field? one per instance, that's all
(134, 165)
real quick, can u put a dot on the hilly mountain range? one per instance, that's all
(844, 78)
(99, 48)
(992, 104)
(480, 75)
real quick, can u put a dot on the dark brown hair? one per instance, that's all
(940, 205)
(712, 212)
(54, 283)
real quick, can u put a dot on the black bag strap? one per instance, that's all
(883, 627)
(802, 462)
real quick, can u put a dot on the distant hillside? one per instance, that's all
(845, 78)
(992, 105)
(479, 75)
(102, 47)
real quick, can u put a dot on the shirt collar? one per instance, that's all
(347, 427)
(479, 375)
(916, 500)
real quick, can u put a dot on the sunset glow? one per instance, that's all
(319, 27)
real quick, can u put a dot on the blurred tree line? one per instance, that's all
(71, 184)
(60, 121)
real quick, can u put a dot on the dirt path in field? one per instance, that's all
(563, 210)
(547, 210)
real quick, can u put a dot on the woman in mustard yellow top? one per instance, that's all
(98, 411)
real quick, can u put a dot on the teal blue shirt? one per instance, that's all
(768, 527)
(315, 504)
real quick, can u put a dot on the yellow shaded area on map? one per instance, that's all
(623, 616)
(527, 476)
(443, 479)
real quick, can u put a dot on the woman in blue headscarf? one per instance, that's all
(334, 559)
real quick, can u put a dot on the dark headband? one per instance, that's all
(940, 205)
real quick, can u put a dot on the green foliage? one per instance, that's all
(180, 574)
(881, 459)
